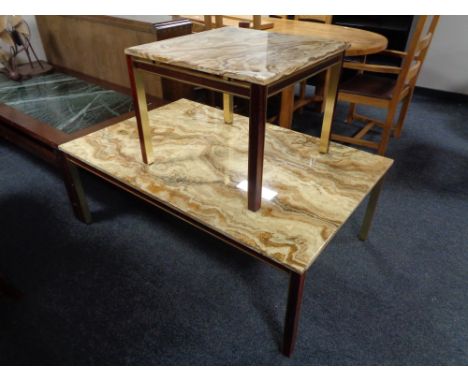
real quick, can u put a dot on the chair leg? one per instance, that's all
(402, 116)
(287, 107)
(302, 93)
(351, 111)
(387, 129)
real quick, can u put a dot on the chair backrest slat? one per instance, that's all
(413, 73)
(416, 52)
(250, 20)
(423, 43)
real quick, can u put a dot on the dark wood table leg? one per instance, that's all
(258, 105)
(293, 310)
(371, 205)
(75, 191)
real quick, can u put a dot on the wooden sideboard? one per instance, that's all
(94, 46)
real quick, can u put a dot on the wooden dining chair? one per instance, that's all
(319, 81)
(245, 21)
(386, 92)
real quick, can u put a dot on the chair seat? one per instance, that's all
(369, 86)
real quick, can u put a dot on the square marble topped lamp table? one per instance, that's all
(239, 62)
(199, 166)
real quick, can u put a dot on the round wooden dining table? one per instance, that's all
(361, 43)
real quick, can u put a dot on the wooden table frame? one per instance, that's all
(296, 280)
(257, 95)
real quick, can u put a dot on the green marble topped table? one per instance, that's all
(66, 103)
(198, 172)
(44, 111)
(238, 62)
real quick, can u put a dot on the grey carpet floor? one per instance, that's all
(138, 287)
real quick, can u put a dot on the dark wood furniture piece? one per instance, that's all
(215, 60)
(197, 176)
(395, 28)
(383, 92)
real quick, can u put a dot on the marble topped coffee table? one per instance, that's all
(238, 62)
(198, 172)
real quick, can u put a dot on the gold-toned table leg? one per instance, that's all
(75, 191)
(333, 76)
(228, 106)
(141, 111)
(373, 198)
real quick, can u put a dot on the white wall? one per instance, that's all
(35, 38)
(446, 66)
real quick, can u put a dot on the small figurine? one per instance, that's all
(14, 33)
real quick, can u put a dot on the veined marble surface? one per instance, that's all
(62, 101)
(244, 54)
(199, 160)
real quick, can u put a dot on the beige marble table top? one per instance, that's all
(243, 54)
(199, 161)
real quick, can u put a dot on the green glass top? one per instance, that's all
(62, 101)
